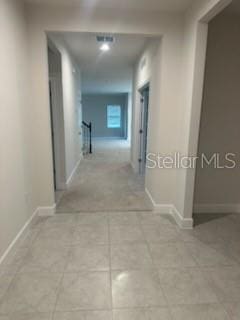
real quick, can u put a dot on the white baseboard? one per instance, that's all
(18, 236)
(183, 223)
(217, 208)
(69, 180)
(159, 208)
(170, 209)
(46, 211)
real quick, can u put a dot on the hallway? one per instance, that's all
(105, 181)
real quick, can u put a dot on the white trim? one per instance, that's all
(158, 208)
(217, 208)
(170, 209)
(18, 236)
(69, 180)
(46, 211)
(183, 223)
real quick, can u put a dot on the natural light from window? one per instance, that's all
(114, 116)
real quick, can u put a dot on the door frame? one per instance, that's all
(143, 127)
(195, 106)
(58, 129)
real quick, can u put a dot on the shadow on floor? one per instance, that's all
(202, 218)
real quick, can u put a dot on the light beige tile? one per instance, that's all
(204, 233)
(38, 222)
(208, 255)
(29, 316)
(84, 291)
(13, 261)
(225, 281)
(55, 234)
(139, 288)
(125, 234)
(186, 286)
(233, 309)
(199, 312)
(32, 292)
(5, 281)
(171, 255)
(161, 233)
(123, 218)
(90, 235)
(28, 238)
(149, 218)
(84, 315)
(92, 218)
(233, 248)
(142, 314)
(91, 258)
(45, 258)
(133, 256)
(66, 219)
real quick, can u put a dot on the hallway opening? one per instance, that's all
(105, 119)
(217, 181)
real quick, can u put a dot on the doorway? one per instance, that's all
(52, 133)
(143, 128)
(56, 120)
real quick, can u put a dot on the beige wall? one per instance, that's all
(17, 168)
(220, 127)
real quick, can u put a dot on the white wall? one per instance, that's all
(72, 108)
(17, 169)
(220, 127)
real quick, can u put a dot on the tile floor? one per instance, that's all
(123, 266)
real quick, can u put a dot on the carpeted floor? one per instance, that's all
(105, 181)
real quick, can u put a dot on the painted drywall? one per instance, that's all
(72, 107)
(17, 168)
(220, 129)
(95, 111)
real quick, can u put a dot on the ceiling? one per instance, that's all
(105, 71)
(144, 5)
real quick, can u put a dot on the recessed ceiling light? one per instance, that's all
(105, 47)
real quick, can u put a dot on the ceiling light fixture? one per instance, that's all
(105, 42)
(105, 47)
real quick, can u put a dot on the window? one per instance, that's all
(113, 116)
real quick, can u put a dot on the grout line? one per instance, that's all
(110, 264)
(155, 269)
